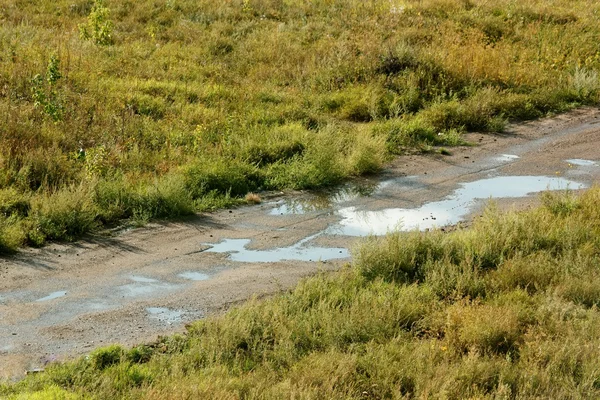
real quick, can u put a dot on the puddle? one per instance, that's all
(445, 212)
(53, 295)
(294, 207)
(144, 286)
(297, 252)
(507, 157)
(164, 314)
(95, 305)
(324, 200)
(194, 276)
(142, 279)
(6, 348)
(582, 163)
(355, 222)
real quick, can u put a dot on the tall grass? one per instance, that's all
(267, 94)
(507, 308)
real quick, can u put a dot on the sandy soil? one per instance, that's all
(134, 285)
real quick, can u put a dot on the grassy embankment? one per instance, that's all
(507, 308)
(131, 110)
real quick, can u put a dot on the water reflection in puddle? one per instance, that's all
(582, 163)
(445, 212)
(53, 295)
(298, 252)
(194, 276)
(324, 200)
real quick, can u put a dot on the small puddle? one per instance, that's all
(53, 295)
(164, 314)
(582, 163)
(297, 252)
(507, 157)
(445, 212)
(143, 279)
(144, 286)
(5, 348)
(324, 200)
(194, 276)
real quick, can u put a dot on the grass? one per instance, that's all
(140, 110)
(507, 308)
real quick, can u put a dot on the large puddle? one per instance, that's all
(449, 211)
(356, 222)
(299, 251)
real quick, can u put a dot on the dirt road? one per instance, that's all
(65, 300)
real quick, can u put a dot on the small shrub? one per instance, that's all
(483, 328)
(65, 215)
(399, 256)
(12, 234)
(533, 274)
(584, 291)
(98, 27)
(367, 155)
(13, 203)
(586, 84)
(139, 354)
(222, 176)
(105, 357)
(560, 203)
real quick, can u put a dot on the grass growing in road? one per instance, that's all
(123, 110)
(507, 308)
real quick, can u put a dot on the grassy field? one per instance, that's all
(115, 111)
(505, 309)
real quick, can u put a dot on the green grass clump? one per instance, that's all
(507, 308)
(236, 96)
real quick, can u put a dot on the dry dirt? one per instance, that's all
(135, 285)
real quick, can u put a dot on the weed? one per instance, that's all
(99, 27)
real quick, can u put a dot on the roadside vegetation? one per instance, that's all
(116, 111)
(507, 308)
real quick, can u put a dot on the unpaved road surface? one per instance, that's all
(65, 300)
